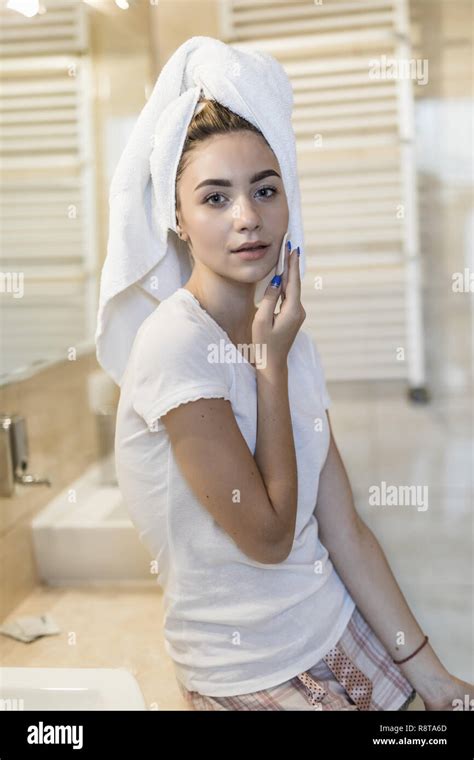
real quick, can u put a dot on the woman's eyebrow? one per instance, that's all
(227, 183)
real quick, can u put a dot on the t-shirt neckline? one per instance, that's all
(193, 297)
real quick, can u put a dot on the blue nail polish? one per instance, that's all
(288, 245)
(298, 252)
(276, 282)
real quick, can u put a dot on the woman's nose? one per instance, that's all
(245, 214)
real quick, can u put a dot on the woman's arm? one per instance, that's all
(275, 449)
(219, 468)
(363, 567)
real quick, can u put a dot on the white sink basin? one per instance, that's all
(85, 535)
(69, 689)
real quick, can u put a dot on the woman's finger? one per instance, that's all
(284, 279)
(293, 287)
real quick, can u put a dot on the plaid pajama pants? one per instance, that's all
(357, 674)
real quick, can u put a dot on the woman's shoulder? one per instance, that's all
(170, 361)
(175, 345)
(174, 323)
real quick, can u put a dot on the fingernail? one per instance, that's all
(276, 282)
(288, 245)
(298, 252)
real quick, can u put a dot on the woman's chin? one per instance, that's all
(253, 271)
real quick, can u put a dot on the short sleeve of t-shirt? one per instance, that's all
(171, 367)
(319, 373)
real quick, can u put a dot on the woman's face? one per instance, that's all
(231, 192)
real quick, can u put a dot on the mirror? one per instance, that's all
(66, 117)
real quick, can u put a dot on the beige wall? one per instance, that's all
(122, 75)
(172, 22)
(62, 444)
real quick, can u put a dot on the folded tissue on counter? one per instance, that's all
(30, 628)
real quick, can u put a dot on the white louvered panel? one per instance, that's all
(40, 115)
(34, 217)
(47, 248)
(343, 236)
(357, 94)
(338, 197)
(274, 19)
(321, 211)
(61, 29)
(352, 133)
(373, 343)
(47, 207)
(376, 178)
(57, 281)
(337, 260)
(356, 142)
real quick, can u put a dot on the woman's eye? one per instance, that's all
(219, 195)
(273, 189)
(214, 195)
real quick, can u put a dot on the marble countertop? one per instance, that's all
(108, 627)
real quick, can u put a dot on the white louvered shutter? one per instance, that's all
(47, 193)
(355, 144)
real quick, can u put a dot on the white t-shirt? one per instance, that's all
(232, 625)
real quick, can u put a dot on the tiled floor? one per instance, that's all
(382, 436)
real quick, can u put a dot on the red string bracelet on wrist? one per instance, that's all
(399, 662)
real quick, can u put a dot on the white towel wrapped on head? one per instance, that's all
(146, 260)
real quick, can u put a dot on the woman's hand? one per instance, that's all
(453, 694)
(278, 331)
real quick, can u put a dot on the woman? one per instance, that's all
(272, 601)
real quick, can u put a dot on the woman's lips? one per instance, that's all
(250, 254)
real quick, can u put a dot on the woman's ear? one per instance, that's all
(179, 231)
